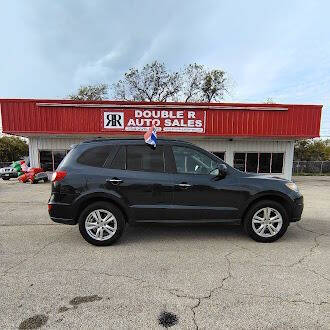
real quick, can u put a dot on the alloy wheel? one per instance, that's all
(267, 222)
(101, 224)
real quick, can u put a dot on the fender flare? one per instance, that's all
(99, 195)
(271, 195)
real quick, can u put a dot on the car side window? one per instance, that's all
(191, 161)
(144, 158)
(96, 156)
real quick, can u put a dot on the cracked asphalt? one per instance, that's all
(208, 276)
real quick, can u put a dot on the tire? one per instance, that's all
(32, 181)
(272, 230)
(5, 179)
(91, 235)
(45, 180)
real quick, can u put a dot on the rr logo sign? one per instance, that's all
(114, 120)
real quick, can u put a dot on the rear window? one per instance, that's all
(96, 156)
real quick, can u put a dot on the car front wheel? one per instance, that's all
(266, 221)
(101, 223)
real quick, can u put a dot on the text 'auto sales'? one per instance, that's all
(163, 120)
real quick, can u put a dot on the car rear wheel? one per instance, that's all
(101, 223)
(266, 221)
(5, 179)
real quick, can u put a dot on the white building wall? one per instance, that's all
(214, 145)
(37, 143)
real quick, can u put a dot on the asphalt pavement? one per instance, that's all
(160, 275)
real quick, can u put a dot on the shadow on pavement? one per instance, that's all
(151, 232)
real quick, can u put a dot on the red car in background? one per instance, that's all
(34, 175)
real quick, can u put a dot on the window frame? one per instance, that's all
(261, 152)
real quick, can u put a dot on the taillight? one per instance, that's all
(58, 176)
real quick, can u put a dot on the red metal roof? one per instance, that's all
(66, 117)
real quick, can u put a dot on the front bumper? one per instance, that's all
(9, 175)
(297, 210)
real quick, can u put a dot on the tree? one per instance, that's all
(12, 148)
(312, 150)
(155, 83)
(151, 83)
(192, 80)
(269, 100)
(96, 92)
(214, 85)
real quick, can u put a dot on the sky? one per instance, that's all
(270, 49)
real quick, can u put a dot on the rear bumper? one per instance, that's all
(61, 213)
(297, 210)
(63, 221)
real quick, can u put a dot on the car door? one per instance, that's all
(139, 174)
(199, 194)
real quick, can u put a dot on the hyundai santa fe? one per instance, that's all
(104, 184)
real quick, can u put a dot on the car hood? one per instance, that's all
(265, 177)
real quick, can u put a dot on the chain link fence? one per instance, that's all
(312, 167)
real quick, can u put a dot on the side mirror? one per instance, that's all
(220, 171)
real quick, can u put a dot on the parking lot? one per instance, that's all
(206, 277)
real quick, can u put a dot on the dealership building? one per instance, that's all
(251, 137)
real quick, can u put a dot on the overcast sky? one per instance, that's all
(271, 49)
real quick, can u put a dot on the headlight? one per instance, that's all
(292, 186)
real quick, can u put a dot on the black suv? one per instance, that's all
(104, 184)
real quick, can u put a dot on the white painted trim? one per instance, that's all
(165, 106)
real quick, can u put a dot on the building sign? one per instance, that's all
(130, 120)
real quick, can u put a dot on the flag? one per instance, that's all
(150, 137)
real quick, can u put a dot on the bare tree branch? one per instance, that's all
(91, 92)
(155, 83)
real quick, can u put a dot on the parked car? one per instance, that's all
(104, 184)
(7, 173)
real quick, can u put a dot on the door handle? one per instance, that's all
(184, 185)
(115, 181)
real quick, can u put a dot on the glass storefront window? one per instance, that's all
(252, 162)
(46, 160)
(277, 162)
(264, 162)
(259, 162)
(221, 155)
(50, 159)
(239, 161)
(58, 157)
